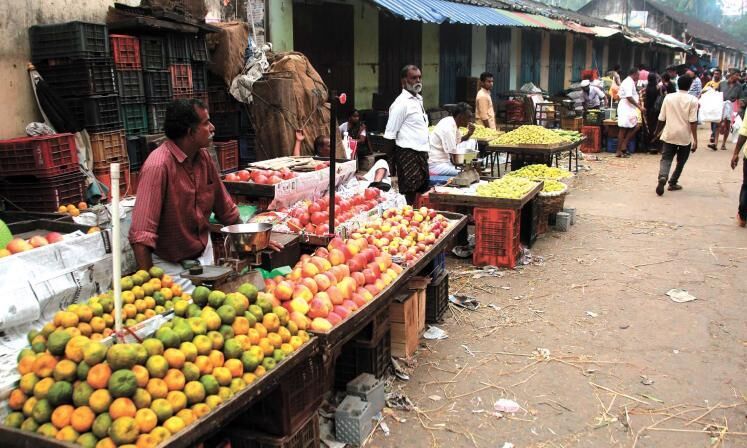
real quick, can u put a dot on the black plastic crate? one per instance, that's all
(307, 436)
(153, 53)
(157, 85)
(135, 118)
(435, 267)
(221, 101)
(356, 358)
(178, 47)
(437, 298)
(79, 77)
(97, 113)
(131, 86)
(247, 151)
(198, 51)
(199, 77)
(44, 195)
(288, 407)
(68, 40)
(137, 151)
(156, 116)
(245, 123)
(374, 331)
(226, 124)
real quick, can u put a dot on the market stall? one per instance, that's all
(535, 144)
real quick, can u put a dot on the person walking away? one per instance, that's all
(484, 101)
(740, 152)
(650, 99)
(678, 130)
(715, 84)
(407, 135)
(733, 94)
(445, 138)
(627, 112)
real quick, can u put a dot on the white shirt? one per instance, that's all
(679, 110)
(627, 116)
(443, 140)
(408, 122)
(344, 129)
(371, 174)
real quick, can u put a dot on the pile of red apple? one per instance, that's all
(262, 177)
(313, 217)
(18, 245)
(405, 232)
(325, 288)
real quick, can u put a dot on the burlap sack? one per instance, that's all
(228, 47)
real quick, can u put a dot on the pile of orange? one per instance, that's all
(76, 388)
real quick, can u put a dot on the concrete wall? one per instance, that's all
(280, 26)
(431, 58)
(479, 50)
(515, 58)
(545, 61)
(568, 58)
(366, 50)
(16, 16)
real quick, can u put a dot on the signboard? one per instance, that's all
(638, 19)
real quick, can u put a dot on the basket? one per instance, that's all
(45, 195)
(547, 206)
(73, 40)
(497, 233)
(178, 47)
(137, 151)
(199, 77)
(126, 52)
(593, 142)
(131, 86)
(153, 53)
(80, 77)
(221, 100)
(437, 298)
(288, 407)
(108, 147)
(42, 156)
(198, 51)
(593, 118)
(306, 437)
(228, 155)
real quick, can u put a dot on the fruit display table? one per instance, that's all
(448, 196)
(201, 428)
(546, 152)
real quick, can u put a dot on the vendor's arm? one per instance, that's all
(397, 115)
(226, 211)
(147, 214)
(299, 139)
(470, 131)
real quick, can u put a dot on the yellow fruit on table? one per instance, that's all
(67, 434)
(146, 420)
(160, 433)
(177, 399)
(74, 350)
(122, 407)
(42, 388)
(195, 392)
(142, 398)
(162, 408)
(82, 419)
(157, 388)
(100, 400)
(174, 424)
(124, 430)
(61, 416)
(187, 416)
(200, 409)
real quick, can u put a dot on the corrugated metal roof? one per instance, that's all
(440, 11)
(536, 21)
(573, 26)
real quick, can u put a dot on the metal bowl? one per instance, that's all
(462, 159)
(248, 238)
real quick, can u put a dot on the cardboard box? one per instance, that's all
(404, 317)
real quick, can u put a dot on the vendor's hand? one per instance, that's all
(734, 161)
(470, 128)
(274, 245)
(299, 135)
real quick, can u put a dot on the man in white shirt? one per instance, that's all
(593, 96)
(678, 129)
(445, 137)
(407, 135)
(627, 112)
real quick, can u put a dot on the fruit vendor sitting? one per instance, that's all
(178, 189)
(445, 138)
(377, 176)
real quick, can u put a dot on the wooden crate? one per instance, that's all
(407, 317)
(572, 124)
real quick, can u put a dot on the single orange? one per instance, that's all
(98, 376)
(82, 419)
(122, 407)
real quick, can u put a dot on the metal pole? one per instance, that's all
(332, 157)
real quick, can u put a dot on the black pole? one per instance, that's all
(332, 161)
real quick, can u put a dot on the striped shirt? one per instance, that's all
(175, 198)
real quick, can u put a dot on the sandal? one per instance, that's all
(712, 139)
(712, 146)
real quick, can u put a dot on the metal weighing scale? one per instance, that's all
(244, 244)
(469, 169)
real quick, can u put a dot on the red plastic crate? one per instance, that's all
(497, 233)
(181, 78)
(42, 156)
(104, 176)
(228, 155)
(45, 195)
(134, 177)
(593, 141)
(107, 148)
(126, 51)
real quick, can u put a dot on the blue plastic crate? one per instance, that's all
(612, 145)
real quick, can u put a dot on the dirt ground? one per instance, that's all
(587, 342)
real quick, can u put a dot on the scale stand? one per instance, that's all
(468, 174)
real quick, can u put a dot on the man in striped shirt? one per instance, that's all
(179, 188)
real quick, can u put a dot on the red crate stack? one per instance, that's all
(126, 51)
(44, 195)
(181, 79)
(497, 233)
(593, 141)
(228, 155)
(41, 156)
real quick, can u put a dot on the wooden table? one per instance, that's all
(544, 150)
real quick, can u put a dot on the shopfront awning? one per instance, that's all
(441, 11)
(535, 21)
(603, 31)
(573, 26)
(665, 39)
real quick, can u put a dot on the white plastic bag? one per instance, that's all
(711, 106)
(735, 127)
